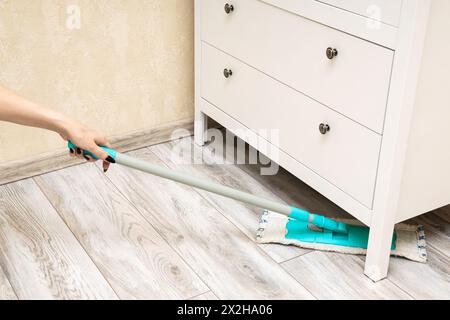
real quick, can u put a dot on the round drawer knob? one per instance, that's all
(228, 8)
(331, 53)
(324, 128)
(227, 73)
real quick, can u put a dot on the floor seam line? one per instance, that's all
(299, 256)
(9, 282)
(198, 295)
(396, 284)
(393, 283)
(220, 211)
(246, 236)
(401, 289)
(156, 230)
(73, 234)
(438, 250)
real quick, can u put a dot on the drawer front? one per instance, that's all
(293, 49)
(346, 156)
(387, 11)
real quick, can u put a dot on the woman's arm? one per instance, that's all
(16, 109)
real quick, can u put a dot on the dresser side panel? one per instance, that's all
(426, 177)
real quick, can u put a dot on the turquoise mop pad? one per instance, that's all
(408, 241)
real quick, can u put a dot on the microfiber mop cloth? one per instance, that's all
(408, 240)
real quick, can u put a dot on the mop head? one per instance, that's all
(408, 241)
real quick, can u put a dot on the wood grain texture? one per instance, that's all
(423, 281)
(131, 255)
(437, 229)
(444, 213)
(245, 217)
(436, 223)
(339, 276)
(38, 252)
(153, 238)
(230, 264)
(434, 279)
(6, 291)
(21, 169)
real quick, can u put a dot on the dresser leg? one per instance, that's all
(200, 128)
(379, 249)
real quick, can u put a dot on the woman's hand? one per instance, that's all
(85, 139)
(14, 108)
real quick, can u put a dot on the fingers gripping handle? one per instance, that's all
(112, 153)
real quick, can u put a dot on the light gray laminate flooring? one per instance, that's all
(78, 233)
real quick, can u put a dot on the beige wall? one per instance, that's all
(129, 66)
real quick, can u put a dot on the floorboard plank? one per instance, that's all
(40, 255)
(338, 276)
(437, 230)
(244, 216)
(444, 213)
(6, 291)
(140, 236)
(231, 265)
(133, 257)
(429, 280)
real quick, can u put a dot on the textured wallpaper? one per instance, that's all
(117, 65)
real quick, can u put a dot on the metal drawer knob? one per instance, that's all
(227, 73)
(228, 8)
(324, 128)
(331, 53)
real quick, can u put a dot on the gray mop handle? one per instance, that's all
(225, 191)
(293, 212)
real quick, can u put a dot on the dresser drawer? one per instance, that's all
(387, 11)
(292, 49)
(346, 156)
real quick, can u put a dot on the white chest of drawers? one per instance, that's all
(372, 72)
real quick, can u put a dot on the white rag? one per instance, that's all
(410, 243)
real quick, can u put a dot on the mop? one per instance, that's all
(284, 224)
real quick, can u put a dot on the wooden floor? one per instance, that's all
(78, 233)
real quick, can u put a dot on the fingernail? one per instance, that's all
(87, 159)
(105, 166)
(71, 150)
(110, 159)
(78, 151)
